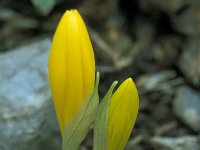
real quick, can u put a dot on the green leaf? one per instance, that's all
(101, 122)
(44, 6)
(78, 127)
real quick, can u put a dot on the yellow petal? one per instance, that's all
(122, 115)
(71, 66)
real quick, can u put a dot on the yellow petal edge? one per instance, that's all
(71, 66)
(122, 114)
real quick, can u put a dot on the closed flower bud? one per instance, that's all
(71, 67)
(116, 117)
(122, 114)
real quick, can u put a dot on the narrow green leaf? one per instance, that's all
(101, 121)
(78, 127)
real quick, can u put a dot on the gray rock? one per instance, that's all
(27, 118)
(186, 106)
(177, 143)
(170, 7)
(160, 81)
(189, 61)
(186, 22)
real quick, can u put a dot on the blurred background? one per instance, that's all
(156, 42)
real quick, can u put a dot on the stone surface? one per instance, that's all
(187, 20)
(27, 118)
(189, 61)
(186, 106)
(177, 143)
(156, 81)
(170, 7)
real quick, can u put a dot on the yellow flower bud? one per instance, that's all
(122, 114)
(71, 67)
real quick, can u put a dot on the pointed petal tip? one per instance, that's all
(129, 79)
(71, 12)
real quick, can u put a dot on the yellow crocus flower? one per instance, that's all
(122, 114)
(71, 67)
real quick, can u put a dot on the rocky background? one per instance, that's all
(156, 42)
